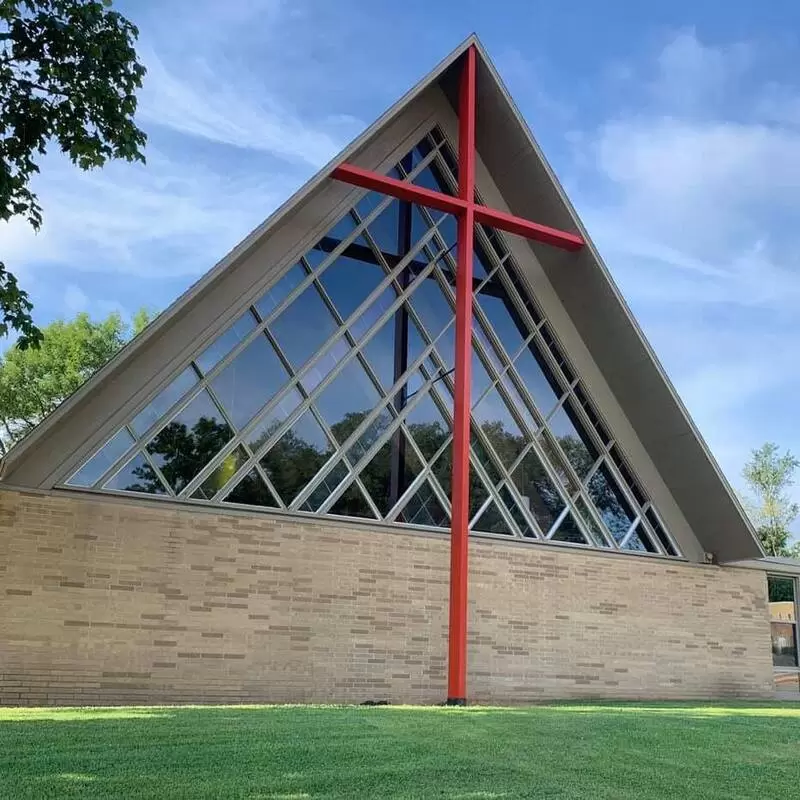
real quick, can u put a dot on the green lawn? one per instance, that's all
(632, 751)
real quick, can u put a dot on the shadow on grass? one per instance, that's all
(570, 750)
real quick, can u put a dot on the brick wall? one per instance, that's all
(106, 601)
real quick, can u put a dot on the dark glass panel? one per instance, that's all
(424, 508)
(431, 177)
(594, 529)
(537, 379)
(610, 503)
(252, 491)
(385, 334)
(272, 420)
(520, 405)
(478, 493)
(573, 439)
(568, 531)
(102, 460)
(784, 644)
(492, 521)
(488, 348)
(639, 542)
(369, 436)
(658, 528)
(537, 491)
(223, 344)
(442, 469)
(349, 281)
(352, 504)
(297, 457)
(427, 426)
(431, 307)
(555, 458)
(221, 474)
(343, 228)
(781, 590)
(511, 272)
(275, 295)
(516, 513)
(249, 381)
(479, 377)
(325, 487)
(376, 475)
(499, 427)
(167, 398)
(137, 476)
(507, 324)
(485, 460)
(303, 327)
(384, 230)
(189, 441)
(347, 400)
(324, 363)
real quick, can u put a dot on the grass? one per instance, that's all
(558, 751)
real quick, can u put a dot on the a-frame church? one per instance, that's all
(406, 442)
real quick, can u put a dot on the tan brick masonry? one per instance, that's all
(108, 601)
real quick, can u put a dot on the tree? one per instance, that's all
(34, 381)
(68, 74)
(769, 475)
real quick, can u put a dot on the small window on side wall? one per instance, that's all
(783, 620)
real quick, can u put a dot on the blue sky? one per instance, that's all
(674, 127)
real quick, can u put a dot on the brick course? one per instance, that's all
(115, 601)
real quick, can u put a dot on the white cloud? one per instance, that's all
(228, 106)
(697, 210)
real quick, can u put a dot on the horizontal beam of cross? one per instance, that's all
(455, 205)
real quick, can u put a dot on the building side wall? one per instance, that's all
(108, 601)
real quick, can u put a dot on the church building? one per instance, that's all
(405, 443)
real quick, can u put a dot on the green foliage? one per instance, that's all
(68, 74)
(35, 380)
(769, 476)
(570, 751)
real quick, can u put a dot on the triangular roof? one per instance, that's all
(529, 188)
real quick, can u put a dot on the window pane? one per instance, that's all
(325, 487)
(272, 420)
(608, 500)
(249, 381)
(500, 427)
(424, 508)
(349, 281)
(137, 476)
(352, 504)
(322, 365)
(568, 531)
(507, 324)
(361, 326)
(538, 491)
(384, 229)
(377, 474)
(164, 401)
(223, 344)
(594, 529)
(492, 521)
(221, 474)
(784, 644)
(102, 460)
(427, 426)
(639, 541)
(516, 513)
(537, 379)
(280, 291)
(576, 444)
(252, 491)
(189, 441)
(368, 436)
(347, 400)
(303, 327)
(297, 457)
(781, 593)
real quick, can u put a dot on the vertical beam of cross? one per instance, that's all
(468, 213)
(459, 530)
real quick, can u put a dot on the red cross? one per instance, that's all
(468, 213)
